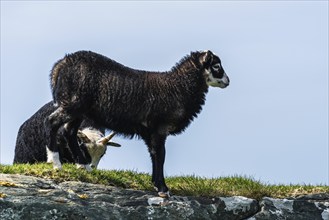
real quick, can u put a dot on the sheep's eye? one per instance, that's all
(216, 67)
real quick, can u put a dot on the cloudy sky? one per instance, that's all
(271, 123)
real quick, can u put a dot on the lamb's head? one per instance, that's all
(213, 69)
(95, 143)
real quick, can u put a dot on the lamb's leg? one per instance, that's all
(52, 123)
(156, 146)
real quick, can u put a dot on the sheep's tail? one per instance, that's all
(55, 73)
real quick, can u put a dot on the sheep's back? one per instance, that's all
(31, 138)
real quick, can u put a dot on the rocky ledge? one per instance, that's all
(26, 197)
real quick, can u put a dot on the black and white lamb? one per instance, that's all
(32, 140)
(131, 102)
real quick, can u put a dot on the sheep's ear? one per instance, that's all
(106, 139)
(82, 137)
(205, 58)
(113, 144)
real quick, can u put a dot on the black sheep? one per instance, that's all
(131, 102)
(32, 140)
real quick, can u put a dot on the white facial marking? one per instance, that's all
(216, 82)
(94, 163)
(212, 81)
(93, 134)
(225, 79)
(96, 150)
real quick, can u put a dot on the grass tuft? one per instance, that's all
(180, 185)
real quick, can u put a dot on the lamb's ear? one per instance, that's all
(82, 137)
(113, 144)
(205, 58)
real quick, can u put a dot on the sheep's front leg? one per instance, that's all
(156, 146)
(81, 156)
(52, 123)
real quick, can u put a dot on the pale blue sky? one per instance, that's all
(271, 123)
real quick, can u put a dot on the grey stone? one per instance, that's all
(303, 208)
(37, 198)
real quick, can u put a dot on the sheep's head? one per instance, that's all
(95, 143)
(213, 69)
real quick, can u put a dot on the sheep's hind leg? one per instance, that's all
(52, 123)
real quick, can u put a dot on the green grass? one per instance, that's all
(182, 185)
